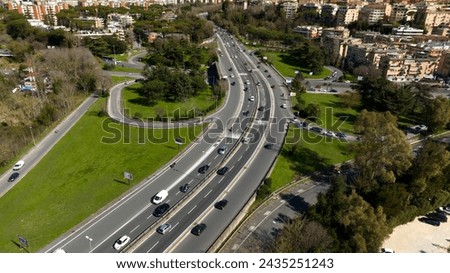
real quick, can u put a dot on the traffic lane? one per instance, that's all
(107, 223)
(245, 185)
(135, 226)
(184, 218)
(289, 205)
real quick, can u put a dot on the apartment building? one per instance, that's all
(289, 8)
(402, 67)
(328, 14)
(374, 12)
(443, 68)
(346, 15)
(432, 16)
(407, 31)
(310, 32)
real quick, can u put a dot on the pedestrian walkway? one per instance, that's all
(255, 234)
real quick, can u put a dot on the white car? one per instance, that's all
(18, 165)
(121, 242)
(284, 105)
(160, 196)
(252, 98)
(330, 134)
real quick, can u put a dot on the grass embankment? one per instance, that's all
(134, 103)
(283, 63)
(80, 175)
(305, 152)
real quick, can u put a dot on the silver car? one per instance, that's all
(164, 228)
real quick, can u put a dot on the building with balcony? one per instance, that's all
(346, 15)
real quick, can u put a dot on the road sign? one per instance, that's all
(127, 175)
(23, 241)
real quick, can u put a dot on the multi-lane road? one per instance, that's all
(248, 164)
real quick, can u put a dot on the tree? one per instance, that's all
(430, 162)
(421, 95)
(350, 99)
(303, 236)
(438, 114)
(383, 152)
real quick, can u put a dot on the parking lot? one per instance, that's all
(418, 237)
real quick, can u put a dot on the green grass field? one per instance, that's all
(280, 62)
(334, 115)
(80, 175)
(305, 152)
(118, 79)
(132, 101)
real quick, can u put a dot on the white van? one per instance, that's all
(159, 197)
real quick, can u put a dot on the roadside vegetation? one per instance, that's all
(69, 185)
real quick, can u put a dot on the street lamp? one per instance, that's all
(90, 241)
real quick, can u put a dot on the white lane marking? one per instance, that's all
(175, 225)
(221, 180)
(149, 216)
(192, 209)
(208, 193)
(190, 181)
(240, 158)
(152, 247)
(134, 229)
(177, 193)
(216, 156)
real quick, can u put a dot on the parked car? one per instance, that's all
(13, 177)
(222, 170)
(261, 108)
(203, 169)
(330, 134)
(246, 112)
(437, 216)
(184, 188)
(161, 210)
(341, 135)
(121, 242)
(18, 165)
(164, 228)
(430, 221)
(284, 105)
(198, 229)
(252, 98)
(221, 204)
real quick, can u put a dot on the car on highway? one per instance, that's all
(162, 229)
(159, 197)
(221, 204)
(252, 98)
(203, 169)
(246, 112)
(247, 82)
(245, 140)
(198, 229)
(184, 188)
(245, 89)
(18, 165)
(284, 105)
(268, 146)
(161, 210)
(13, 177)
(222, 150)
(261, 108)
(341, 135)
(121, 242)
(222, 170)
(430, 221)
(333, 90)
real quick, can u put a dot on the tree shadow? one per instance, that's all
(287, 59)
(304, 160)
(170, 147)
(295, 202)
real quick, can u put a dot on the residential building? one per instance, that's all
(289, 8)
(443, 68)
(328, 14)
(310, 32)
(373, 13)
(346, 15)
(402, 67)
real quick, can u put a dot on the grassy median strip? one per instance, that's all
(136, 107)
(80, 175)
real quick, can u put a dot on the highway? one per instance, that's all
(132, 214)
